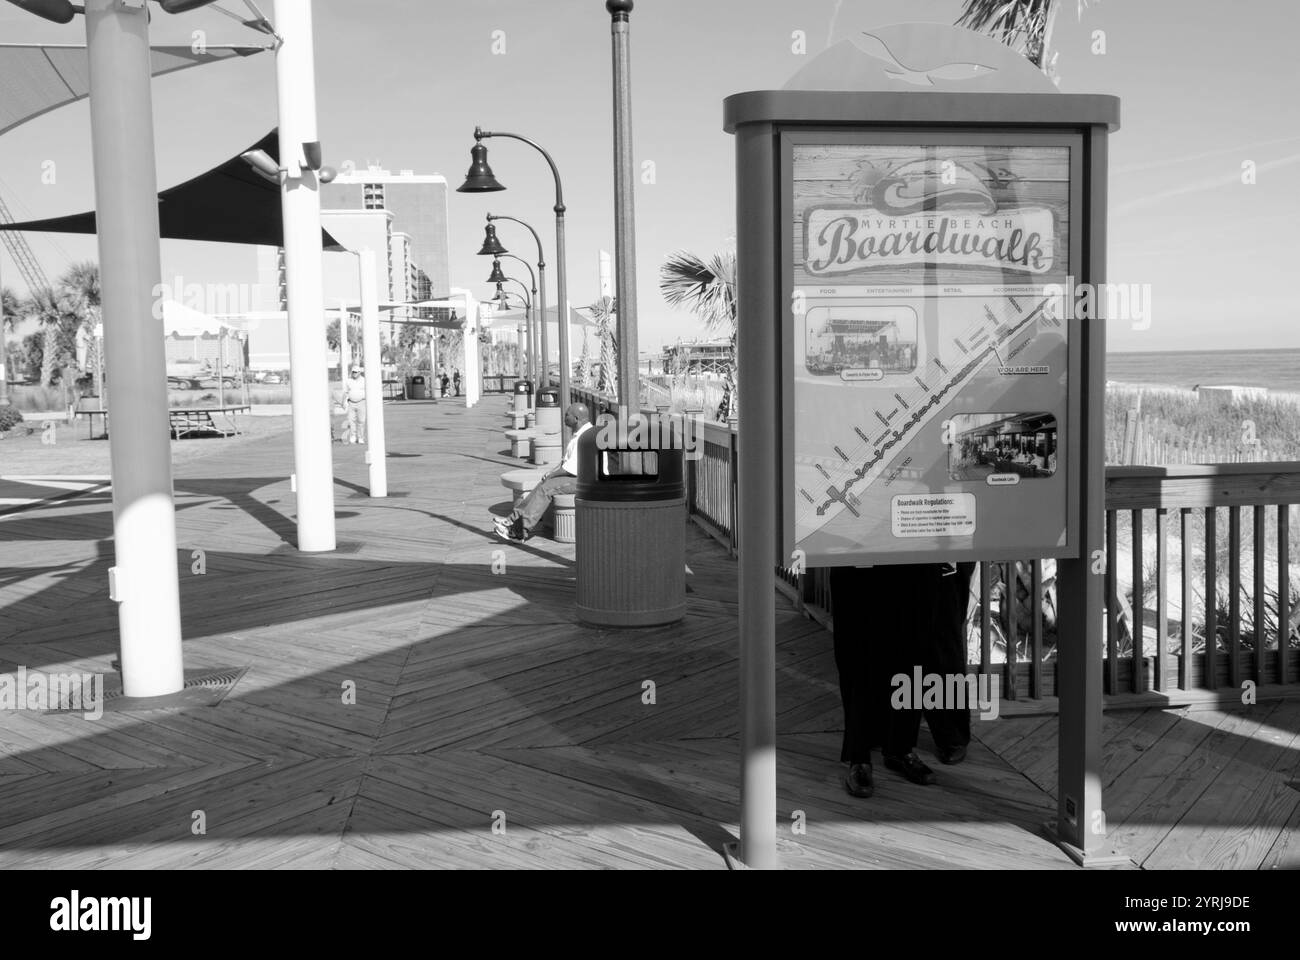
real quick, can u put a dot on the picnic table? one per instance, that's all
(192, 421)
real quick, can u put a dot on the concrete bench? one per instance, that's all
(565, 518)
(521, 443)
(521, 482)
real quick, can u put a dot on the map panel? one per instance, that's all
(930, 360)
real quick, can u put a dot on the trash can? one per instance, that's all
(546, 436)
(631, 533)
(523, 400)
(419, 389)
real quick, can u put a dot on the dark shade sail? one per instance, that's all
(231, 203)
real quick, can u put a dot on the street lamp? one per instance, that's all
(539, 336)
(480, 179)
(532, 325)
(491, 245)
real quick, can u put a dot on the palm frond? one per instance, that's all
(705, 287)
(1020, 24)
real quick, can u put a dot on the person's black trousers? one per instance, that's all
(887, 621)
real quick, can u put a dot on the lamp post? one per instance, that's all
(541, 272)
(498, 277)
(629, 381)
(533, 301)
(481, 180)
(502, 300)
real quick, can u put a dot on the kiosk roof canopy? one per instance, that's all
(920, 73)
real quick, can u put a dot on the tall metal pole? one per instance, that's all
(376, 451)
(144, 579)
(756, 259)
(308, 354)
(629, 382)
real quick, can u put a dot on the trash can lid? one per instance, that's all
(625, 472)
(523, 386)
(548, 398)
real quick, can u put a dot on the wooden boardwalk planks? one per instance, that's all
(476, 692)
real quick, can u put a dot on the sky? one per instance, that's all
(1204, 88)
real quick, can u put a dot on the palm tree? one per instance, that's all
(708, 289)
(52, 310)
(603, 312)
(80, 286)
(9, 316)
(1025, 25)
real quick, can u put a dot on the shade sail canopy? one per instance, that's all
(36, 78)
(231, 203)
(188, 322)
(579, 317)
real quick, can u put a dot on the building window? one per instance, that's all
(373, 196)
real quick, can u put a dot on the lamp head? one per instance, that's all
(479, 179)
(498, 276)
(491, 245)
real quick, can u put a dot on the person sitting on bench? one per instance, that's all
(562, 479)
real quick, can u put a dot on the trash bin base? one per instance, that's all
(631, 562)
(626, 618)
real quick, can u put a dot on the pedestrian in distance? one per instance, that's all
(354, 403)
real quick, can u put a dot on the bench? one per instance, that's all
(521, 482)
(90, 408)
(521, 443)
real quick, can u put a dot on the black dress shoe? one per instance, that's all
(911, 767)
(950, 755)
(858, 781)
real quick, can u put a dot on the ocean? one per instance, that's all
(1276, 369)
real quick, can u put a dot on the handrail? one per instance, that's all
(1015, 598)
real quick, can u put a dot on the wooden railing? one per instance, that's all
(1156, 644)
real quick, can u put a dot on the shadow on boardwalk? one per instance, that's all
(479, 702)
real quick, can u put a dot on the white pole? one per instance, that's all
(144, 579)
(345, 345)
(470, 376)
(308, 354)
(377, 453)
